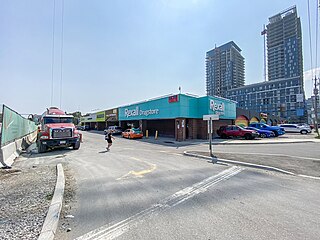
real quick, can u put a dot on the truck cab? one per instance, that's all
(56, 129)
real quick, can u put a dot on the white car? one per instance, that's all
(294, 128)
(113, 129)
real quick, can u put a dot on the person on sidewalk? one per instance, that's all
(109, 138)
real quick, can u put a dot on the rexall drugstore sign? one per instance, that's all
(225, 108)
(217, 107)
(137, 111)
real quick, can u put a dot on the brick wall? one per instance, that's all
(180, 126)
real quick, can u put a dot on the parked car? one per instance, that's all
(114, 130)
(86, 128)
(275, 129)
(294, 128)
(262, 133)
(236, 131)
(80, 128)
(303, 124)
(132, 133)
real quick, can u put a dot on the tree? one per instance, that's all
(77, 115)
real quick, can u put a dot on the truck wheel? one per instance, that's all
(276, 134)
(247, 136)
(76, 145)
(41, 147)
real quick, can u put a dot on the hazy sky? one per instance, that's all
(123, 51)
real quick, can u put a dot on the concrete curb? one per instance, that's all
(269, 168)
(241, 163)
(52, 219)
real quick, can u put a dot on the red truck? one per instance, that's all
(57, 130)
(236, 131)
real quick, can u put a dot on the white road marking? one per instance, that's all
(271, 154)
(109, 232)
(177, 154)
(307, 176)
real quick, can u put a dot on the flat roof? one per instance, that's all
(264, 83)
(171, 94)
(226, 46)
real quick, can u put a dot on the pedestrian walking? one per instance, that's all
(109, 138)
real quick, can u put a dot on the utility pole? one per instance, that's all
(315, 104)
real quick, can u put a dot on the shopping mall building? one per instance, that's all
(178, 116)
(100, 120)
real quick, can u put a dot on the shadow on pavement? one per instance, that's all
(105, 151)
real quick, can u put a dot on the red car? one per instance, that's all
(132, 133)
(236, 131)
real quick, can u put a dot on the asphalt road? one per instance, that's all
(140, 190)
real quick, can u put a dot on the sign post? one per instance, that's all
(209, 119)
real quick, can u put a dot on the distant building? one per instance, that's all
(283, 95)
(284, 45)
(224, 69)
(283, 98)
(310, 107)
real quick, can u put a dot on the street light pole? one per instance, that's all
(210, 135)
(315, 104)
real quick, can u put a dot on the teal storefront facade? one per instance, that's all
(179, 116)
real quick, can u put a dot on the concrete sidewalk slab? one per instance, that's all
(265, 141)
(171, 141)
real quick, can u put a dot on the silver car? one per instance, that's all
(113, 129)
(295, 128)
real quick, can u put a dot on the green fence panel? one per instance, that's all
(14, 126)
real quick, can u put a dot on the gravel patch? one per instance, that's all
(25, 197)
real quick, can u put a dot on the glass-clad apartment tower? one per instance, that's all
(284, 44)
(224, 69)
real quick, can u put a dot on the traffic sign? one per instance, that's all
(212, 116)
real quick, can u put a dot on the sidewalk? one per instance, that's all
(219, 141)
(278, 140)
